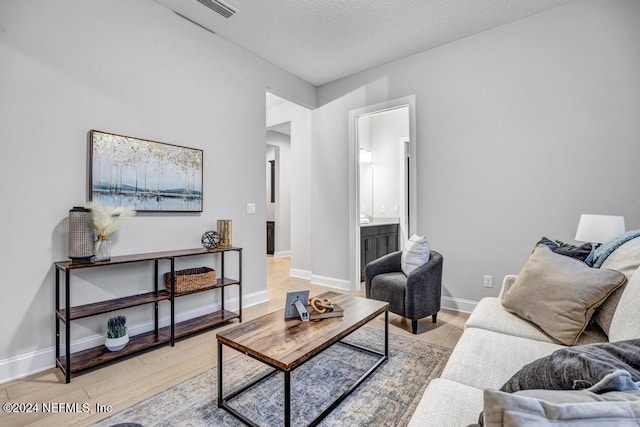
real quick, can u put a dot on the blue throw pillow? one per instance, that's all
(607, 248)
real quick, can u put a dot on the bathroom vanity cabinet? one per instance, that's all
(376, 240)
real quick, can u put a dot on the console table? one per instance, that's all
(79, 361)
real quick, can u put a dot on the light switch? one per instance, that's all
(251, 208)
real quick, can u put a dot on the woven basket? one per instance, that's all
(191, 279)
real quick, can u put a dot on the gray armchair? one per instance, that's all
(414, 296)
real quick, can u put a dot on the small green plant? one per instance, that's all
(117, 327)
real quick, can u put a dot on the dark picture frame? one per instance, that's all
(146, 175)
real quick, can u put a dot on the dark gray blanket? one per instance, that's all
(597, 367)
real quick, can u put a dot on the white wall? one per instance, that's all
(520, 130)
(282, 211)
(300, 138)
(137, 69)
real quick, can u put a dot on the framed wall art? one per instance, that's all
(144, 175)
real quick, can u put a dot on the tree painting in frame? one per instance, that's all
(145, 175)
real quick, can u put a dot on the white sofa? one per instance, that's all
(496, 344)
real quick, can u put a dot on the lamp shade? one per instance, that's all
(599, 228)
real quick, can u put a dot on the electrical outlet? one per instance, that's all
(251, 208)
(488, 281)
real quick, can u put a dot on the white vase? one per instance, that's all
(116, 344)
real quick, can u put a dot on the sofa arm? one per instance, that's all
(424, 288)
(385, 264)
(508, 281)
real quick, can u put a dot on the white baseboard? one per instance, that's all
(331, 282)
(300, 274)
(41, 360)
(282, 254)
(458, 304)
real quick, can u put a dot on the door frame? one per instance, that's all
(354, 178)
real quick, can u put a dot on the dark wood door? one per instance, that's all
(271, 237)
(369, 252)
(387, 243)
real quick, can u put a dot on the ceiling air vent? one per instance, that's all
(219, 7)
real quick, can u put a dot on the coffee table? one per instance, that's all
(287, 344)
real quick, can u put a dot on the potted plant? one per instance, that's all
(117, 335)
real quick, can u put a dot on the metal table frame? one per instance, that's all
(222, 400)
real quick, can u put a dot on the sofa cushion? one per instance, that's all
(484, 358)
(448, 404)
(625, 323)
(559, 294)
(625, 259)
(490, 314)
(596, 366)
(415, 253)
(560, 408)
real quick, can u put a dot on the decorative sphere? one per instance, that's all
(210, 239)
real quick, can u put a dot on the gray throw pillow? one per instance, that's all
(598, 367)
(559, 294)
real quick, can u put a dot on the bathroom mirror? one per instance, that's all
(382, 140)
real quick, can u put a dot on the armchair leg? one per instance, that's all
(434, 317)
(414, 326)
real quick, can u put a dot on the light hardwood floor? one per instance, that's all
(129, 381)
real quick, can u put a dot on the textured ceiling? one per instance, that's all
(324, 40)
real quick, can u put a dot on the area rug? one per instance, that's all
(387, 398)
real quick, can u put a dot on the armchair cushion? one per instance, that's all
(415, 253)
(391, 287)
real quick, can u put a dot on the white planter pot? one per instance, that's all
(116, 344)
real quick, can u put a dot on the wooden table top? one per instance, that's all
(287, 344)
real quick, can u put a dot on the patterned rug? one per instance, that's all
(387, 398)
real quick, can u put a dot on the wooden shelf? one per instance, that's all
(101, 307)
(95, 356)
(203, 323)
(151, 256)
(219, 284)
(92, 357)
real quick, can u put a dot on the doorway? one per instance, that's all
(292, 227)
(278, 192)
(383, 189)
